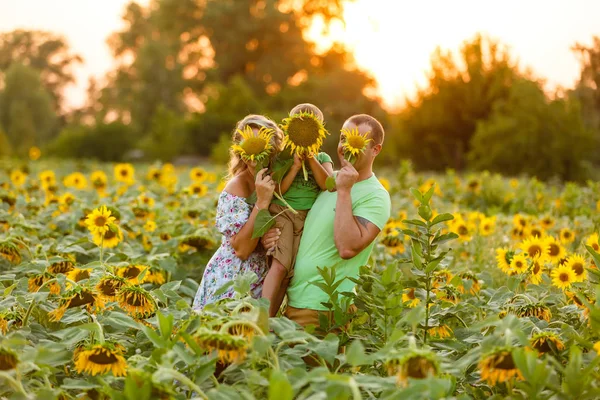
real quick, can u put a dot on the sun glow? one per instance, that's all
(394, 40)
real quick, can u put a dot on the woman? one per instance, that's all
(238, 253)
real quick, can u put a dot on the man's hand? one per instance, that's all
(346, 177)
(270, 239)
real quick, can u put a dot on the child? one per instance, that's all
(300, 195)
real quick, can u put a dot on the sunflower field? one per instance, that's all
(479, 287)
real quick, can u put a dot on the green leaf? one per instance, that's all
(415, 222)
(444, 238)
(330, 183)
(428, 194)
(279, 387)
(263, 222)
(417, 195)
(356, 354)
(442, 218)
(165, 324)
(281, 169)
(425, 212)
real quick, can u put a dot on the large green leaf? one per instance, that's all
(263, 222)
(279, 387)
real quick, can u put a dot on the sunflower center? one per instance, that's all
(536, 233)
(534, 250)
(197, 189)
(563, 277)
(124, 173)
(110, 287)
(578, 268)
(596, 247)
(554, 249)
(536, 268)
(61, 267)
(136, 300)
(419, 368)
(542, 345)
(504, 361)
(100, 221)
(567, 235)
(303, 132)
(411, 294)
(7, 361)
(462, 230)
(254, 145)
(81, 275)
(356, 142)
(518, 264)
(132, 272)
(109, 235)
(103, 357)
(81, 299)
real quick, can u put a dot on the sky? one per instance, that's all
(393, 39)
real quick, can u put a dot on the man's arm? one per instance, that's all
(352, 234)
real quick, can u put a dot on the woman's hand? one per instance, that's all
(297, 162)
(265, 186)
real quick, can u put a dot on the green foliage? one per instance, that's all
(166, 137)
(106, 142)
(529, 134)
(26, 110)
(5, 146)
(46, 52)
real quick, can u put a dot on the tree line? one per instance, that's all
(186, 71)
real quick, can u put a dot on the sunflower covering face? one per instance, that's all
(354, 143)
(254, 146)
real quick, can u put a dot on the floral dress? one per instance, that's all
(232, 214)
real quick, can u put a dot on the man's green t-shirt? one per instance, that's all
(302, 194)
(371, 201)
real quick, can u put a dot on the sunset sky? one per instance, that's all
(393, 39)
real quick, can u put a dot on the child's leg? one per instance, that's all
(282, 254)
(275, 285)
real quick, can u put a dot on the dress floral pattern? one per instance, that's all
(232, 214)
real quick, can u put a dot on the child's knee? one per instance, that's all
(279, 267)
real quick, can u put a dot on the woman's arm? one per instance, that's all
(320, 171)
(242, 242)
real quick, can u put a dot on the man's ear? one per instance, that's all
(377, 149)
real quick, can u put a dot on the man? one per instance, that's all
(340, 228)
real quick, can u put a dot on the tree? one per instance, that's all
(462, 89)
(26, 111)
(166, 137)
(45, 52)
(529, 134)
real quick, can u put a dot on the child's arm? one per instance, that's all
(320, 171)
(289, 177)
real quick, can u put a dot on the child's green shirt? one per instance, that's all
(302, 194)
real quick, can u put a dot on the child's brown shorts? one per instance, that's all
(291, 226)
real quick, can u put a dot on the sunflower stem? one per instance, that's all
(15, 383)
(100, 330)
(183, 379)
(102, 250)
(28, 313)
(280, 197)
(304, 171)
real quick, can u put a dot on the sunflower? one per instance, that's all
(242, 330)
(76, 298)
(475, 286)
(594, 242)
(519, 263)
(563, 276)
(409, 297)
(441, 331)
(517, 233)
(99, 359)
(110, 239)
(8, 359)
(132, 272)
(124, 173)
(109, 286)
(78, 274)
(154, 174)
(577, 264)
(199, 242)
(154, 276)
(36, 281)
(229, 348)
(34, 153)
(463, 229)
(537, 270)
(597, 344)
(503, 259)
(353, 143)
(304, 133)
(417, 364)
(393, 245)
(99, 180)
(448, 293)
(385, 183)
(254, 146)
(165, 236)
(75, 180)
(18, 177)
(498, 366)
(66, 199)
(474, 185)
(566, 236)
(198, 174)
(487, 226)
(535, 248)
(150, 226)
(538, 310)
(10, 251)
(536, 232)
(137, 301)
(545, 342)
(556, 251)
(521, 221)
(100, 220)
(547, 222)
(47, 178)
(197, 189)
(442, 277)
